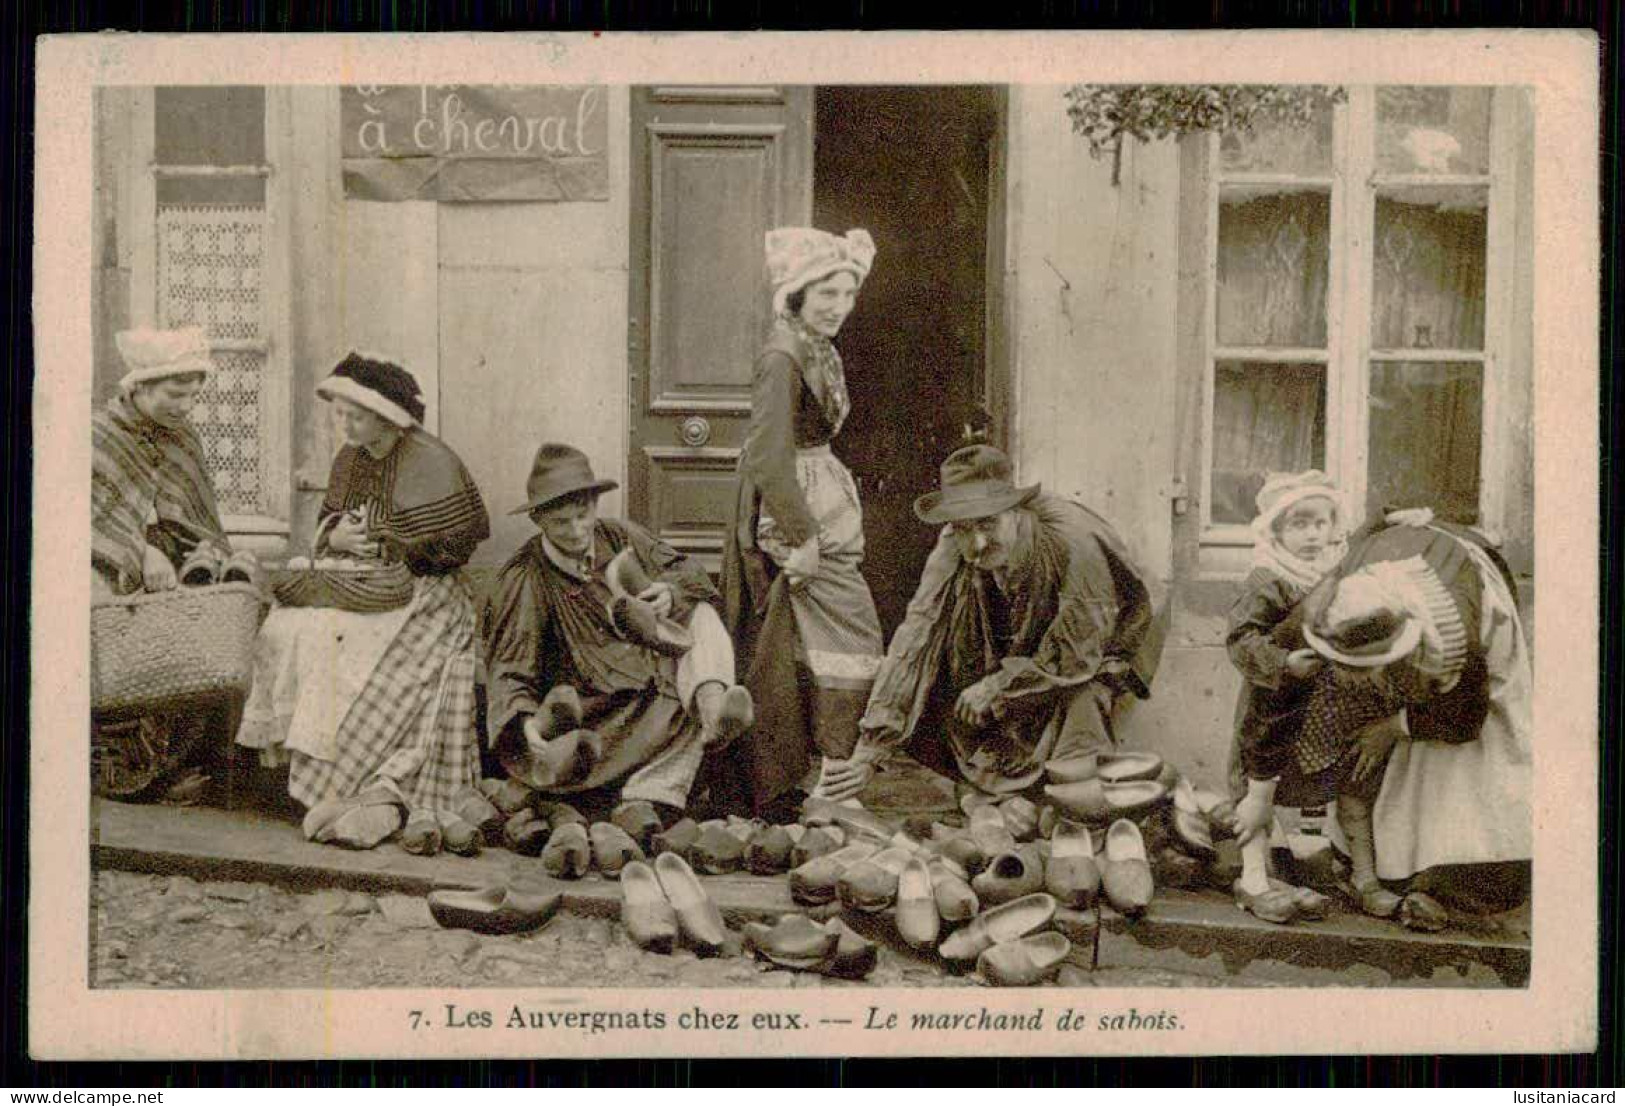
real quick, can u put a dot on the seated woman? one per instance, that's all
(375, 711)
(152, 501)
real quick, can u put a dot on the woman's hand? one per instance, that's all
(157, 574)
(660, 596)
(1302, 663)
(1375, 742)
(349, 535)
(802, 563)
(975, 705)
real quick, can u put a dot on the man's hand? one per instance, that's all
(157, 574)
(845, 779)
(660, 596)
(975, 705)
(802, 564)
(1375, 743)
(1255, 811)
(1302, 663)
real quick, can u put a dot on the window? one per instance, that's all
(1352, 307)
(208, 218)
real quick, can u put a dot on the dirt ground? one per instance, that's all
(175, 932)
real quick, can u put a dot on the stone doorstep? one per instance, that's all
(218, 845)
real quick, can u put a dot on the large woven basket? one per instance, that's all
(165, 650)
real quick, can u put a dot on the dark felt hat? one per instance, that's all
(975, 484)
(560, 470)
(380, 386)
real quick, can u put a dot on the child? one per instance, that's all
(1296, 542)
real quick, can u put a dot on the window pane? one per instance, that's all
(209, 126)
(1266, 418)
(1433, 130)
(211, 190)
(1426, 423)
(1272, 267)
(1280, 147)
(1428, 277)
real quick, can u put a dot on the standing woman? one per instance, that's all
(376, 710)
(801, 614)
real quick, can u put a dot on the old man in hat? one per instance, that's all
(1029, 622)
(609, 668)
(154, 520)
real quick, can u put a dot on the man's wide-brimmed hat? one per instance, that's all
(560, 470)
(1356, 622)
(158, 354)
(373, 381)
(975, 484)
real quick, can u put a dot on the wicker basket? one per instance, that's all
(168, 649)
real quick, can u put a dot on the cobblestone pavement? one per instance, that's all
(175, 932)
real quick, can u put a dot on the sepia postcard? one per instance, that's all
(815, 545)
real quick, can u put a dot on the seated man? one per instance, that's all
(1028, 624)
(586, 687)
(153, 509)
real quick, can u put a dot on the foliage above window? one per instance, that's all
(1103, 114)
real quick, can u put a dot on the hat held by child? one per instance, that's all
(1360, 623)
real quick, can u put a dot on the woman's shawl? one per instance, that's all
(146, 475)
(420, 502)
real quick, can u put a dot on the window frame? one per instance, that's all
(1354, 182)
(268, 531)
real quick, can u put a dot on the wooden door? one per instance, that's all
(713, 169)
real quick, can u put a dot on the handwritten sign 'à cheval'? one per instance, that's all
(467, 143)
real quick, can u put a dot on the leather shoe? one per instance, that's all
(639, 819)
(697, 916)
(612, 847)
(794, 941)
(1000, 923)
(1126, 874)
(525, 833)
(1072, 875)
(678, 837)
(499, 910)
(767, 853)
(814, 883)
(870, 885)
(560, 712)
(568, 854)
(1024, 962)
(813, 844)
(918, 921)
(716, 851)
(1127, 767)
(647, 915)
(955, 900)
(1009, 876)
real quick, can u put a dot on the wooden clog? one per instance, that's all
(1128, 767)
(918, 921)
(794, 941)
(648, 917)
(497, 910)
(1023, 962)
(1000, 923)
(1126, 873)
(697, 916)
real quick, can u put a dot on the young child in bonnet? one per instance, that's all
(1297, 540)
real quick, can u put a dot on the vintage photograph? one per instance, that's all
(852, 539)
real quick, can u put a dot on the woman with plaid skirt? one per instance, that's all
(375, 711)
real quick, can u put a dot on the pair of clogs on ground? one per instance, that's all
(829, 948)
(664, 902)
(516, 907)
(1099, 789)
(1006, 943)
(720, 846)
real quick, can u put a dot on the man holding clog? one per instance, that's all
(1029, 623)
(608, 665)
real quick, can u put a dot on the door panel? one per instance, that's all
(713, 170)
